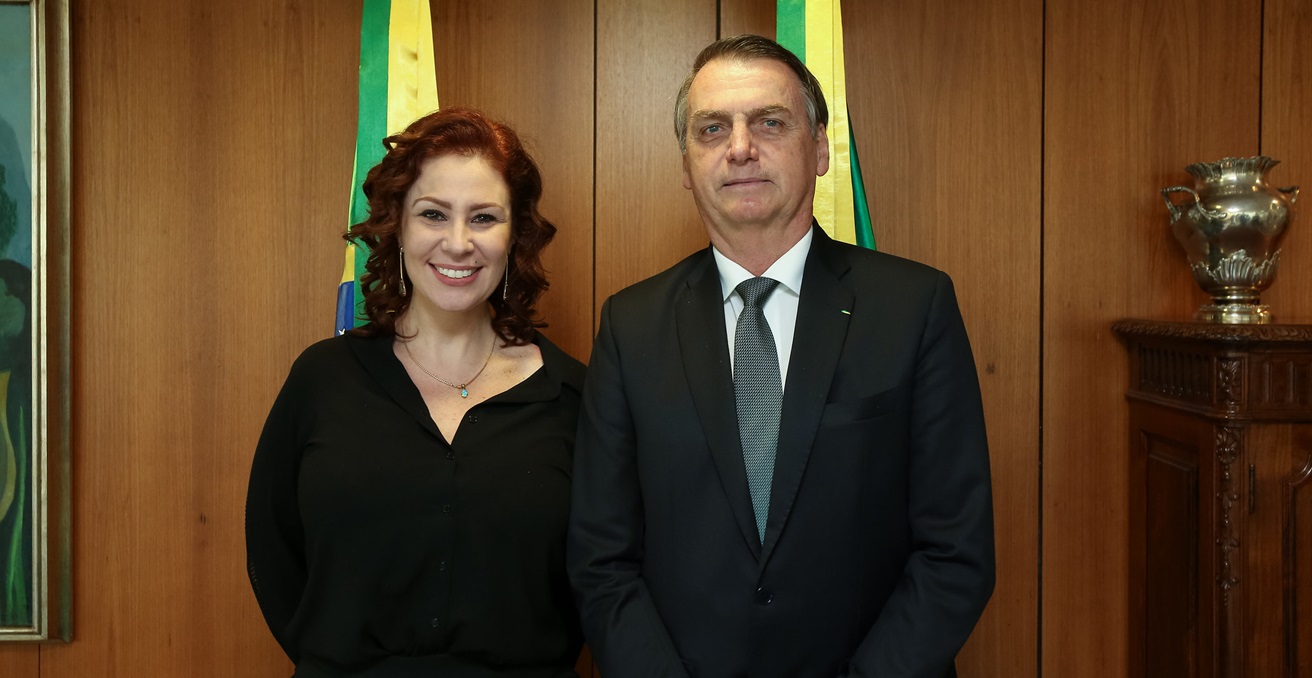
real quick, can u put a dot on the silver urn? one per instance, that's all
(1231, 226)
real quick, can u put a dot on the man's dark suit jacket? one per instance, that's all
(878, 551)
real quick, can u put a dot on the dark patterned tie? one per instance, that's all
(758, 391)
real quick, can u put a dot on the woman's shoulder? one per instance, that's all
(335, 354)
(324, 352)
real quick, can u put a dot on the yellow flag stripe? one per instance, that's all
(411, 73)
(348, 271)
(824, 56)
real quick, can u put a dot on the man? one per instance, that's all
(782, 478)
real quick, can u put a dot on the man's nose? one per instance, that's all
(740, 144)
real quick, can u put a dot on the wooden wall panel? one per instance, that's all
(218, 185)
(493, 55)
(1131, 97)
(646, 220)
(1021, 153)
(757, 17)
(212, 153)
(20, 660)
(1286, 100)
(947, 117)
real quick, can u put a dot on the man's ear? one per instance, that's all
(687, 178)
(821, 151)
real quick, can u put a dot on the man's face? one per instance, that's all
(751, 161)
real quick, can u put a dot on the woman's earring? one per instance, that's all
(402, 271)
(505, 287)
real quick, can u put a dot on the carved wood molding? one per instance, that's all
(1213, 331)
(1229, 444)
(1280, 380)
(1182, 375)
(1230, 381)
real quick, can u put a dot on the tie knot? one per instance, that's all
(754, 291)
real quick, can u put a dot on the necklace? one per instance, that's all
(464, 391)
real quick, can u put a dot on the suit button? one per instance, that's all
(435, 623)
(450, 455)
(764, 597)
(473, 418)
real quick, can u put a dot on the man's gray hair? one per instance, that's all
(747, 48)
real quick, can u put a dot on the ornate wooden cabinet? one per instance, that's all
(1220, 515)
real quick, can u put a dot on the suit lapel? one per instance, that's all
(817, 343)
(704, 346)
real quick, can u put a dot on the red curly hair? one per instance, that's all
(468, 132)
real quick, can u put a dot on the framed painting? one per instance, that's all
(34, 314)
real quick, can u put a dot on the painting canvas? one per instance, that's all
(32, 545)
(16, 486)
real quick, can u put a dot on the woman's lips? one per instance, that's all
(456, 276)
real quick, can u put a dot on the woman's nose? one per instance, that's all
(457, 240)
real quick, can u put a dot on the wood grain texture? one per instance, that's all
(1271, 450)
(538, 79)
(947, 117)
(20, 660)
(1130, 99)
(646, 221)
(1286, 99)
(212, 155)
(757, 17)
(1297, 498)
(1020, 153)
(213, 164)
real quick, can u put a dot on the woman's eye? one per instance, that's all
(484, 219)
(432, 215)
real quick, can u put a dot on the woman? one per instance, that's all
(409, 495)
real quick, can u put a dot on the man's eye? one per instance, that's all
(772, 123)
(711, 129)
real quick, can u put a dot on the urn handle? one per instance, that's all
(1174, 208)
(1290, 192)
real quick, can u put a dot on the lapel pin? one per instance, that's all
(844, 311)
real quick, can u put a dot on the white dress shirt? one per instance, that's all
(780, 308)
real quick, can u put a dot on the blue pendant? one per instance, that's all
(464, 393)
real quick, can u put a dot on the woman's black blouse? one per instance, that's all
(377, 549)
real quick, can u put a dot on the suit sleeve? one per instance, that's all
(275, 551)
(950, 573)
(605, 548)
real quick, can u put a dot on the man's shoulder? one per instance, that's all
(668, 282)
(880, 267)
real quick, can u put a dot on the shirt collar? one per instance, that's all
(786, 269)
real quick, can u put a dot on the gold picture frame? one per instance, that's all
(35, 565)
